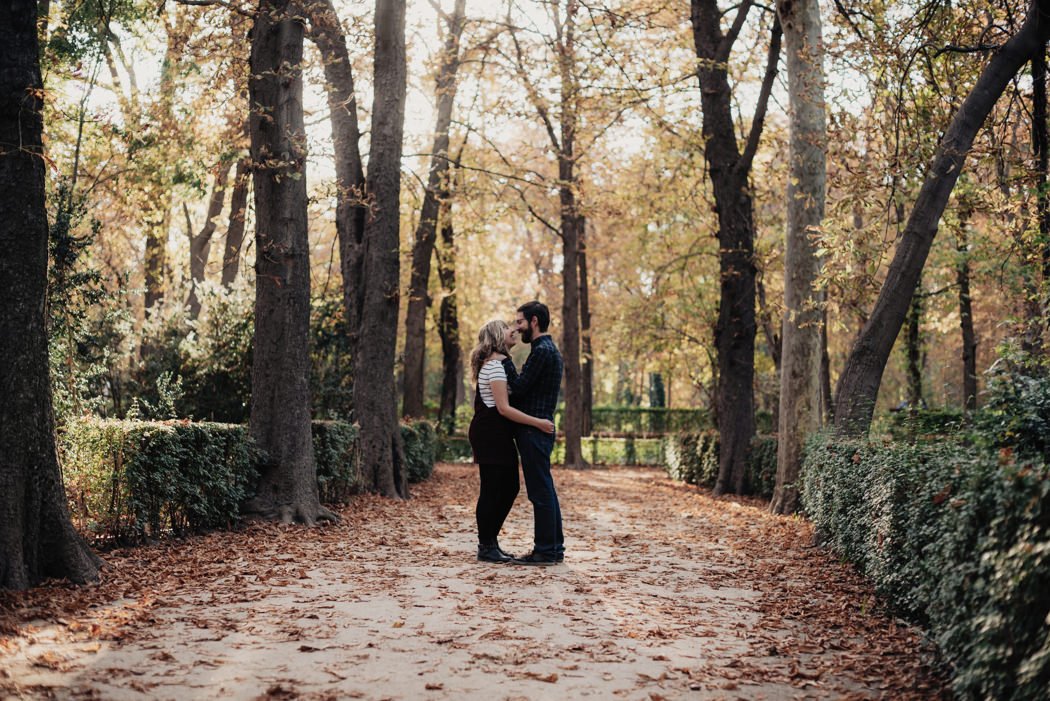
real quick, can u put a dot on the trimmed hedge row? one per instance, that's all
(958, 538)
(693, 458)
(597, 450)
(129, 480)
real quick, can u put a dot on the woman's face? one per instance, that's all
(510, 337)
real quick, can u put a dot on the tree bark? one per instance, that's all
(280, 404)
(382, 453)
(730, 169)
(426, 231)
(1041, 148)
(448, 325)
(913, 349)
(231, 254)
(969, 337)
(858, 386)
(572, 419)
(200, 244)
(37, 538)
(587, 353)
(351, 206)
(799, 414)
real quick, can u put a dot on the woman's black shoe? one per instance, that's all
(492, 553)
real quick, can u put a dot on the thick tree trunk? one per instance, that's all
(351, 206)
(969, 337)
(799, 414)
(587, 365)
(858, 386)
(382, 453)
(426, 231)
(730, 169)
(827, 409)
(231, 254)
(448, 325)
(572, 420)
(280, 408)
(200, 244)
(37, 539)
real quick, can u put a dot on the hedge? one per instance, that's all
(643, 421)
(597, 450)
(130, 480)
(693, 458)
(958, 539)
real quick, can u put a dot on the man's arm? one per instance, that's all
(520, 384)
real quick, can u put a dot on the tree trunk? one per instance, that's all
(799, 414)
(382, 454)
(827, 409)
(448, 325)
(280, 404)
(587, 368)
(351, 206)
(730, 170)
(572, 419)
(231, 254)
(858, 386)
(200, 245)
(426, 231)
(969, 338)
(1041, 148)
(913, 349)
(37, 539)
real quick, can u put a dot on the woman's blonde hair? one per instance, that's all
(492, 338)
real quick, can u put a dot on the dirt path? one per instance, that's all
(665, 593)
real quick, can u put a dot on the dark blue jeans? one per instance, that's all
(535, 447)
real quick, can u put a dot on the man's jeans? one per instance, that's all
(535, 448)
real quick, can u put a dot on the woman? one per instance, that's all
(492, 436)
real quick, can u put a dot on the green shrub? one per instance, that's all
(958, 538)
(421, 445)
(127, 480)
(914, 423)
(643, 421)
(453, 448)
(693, 458)
(336, 457)
(131, 480)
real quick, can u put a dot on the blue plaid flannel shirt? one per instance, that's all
(535, 389)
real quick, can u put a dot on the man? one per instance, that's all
(535, 391)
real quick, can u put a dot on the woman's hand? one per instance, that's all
(546, 426)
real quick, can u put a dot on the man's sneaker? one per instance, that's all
(536, 559)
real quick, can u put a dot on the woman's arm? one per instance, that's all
(499, 393)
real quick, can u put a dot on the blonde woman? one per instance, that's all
(492, 436)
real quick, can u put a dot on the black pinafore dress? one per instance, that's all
(491, 435)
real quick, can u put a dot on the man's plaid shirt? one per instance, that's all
(535, 389)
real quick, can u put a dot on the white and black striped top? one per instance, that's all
(491, 370)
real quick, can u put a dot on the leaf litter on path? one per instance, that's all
(666, 592)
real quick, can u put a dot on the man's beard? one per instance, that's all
(525, 336)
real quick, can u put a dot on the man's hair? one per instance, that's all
(538, 310)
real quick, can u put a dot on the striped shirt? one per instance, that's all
(535, 389)
(491, 371)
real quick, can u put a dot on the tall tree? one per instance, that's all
(351, 206)
(37, 539)
(859, 383)
(448, 310)
(801, 352)
(382, 453)
(561, 129)
(730, 170)
(280, 403)
(426, 230)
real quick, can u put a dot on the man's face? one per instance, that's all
(522, 325)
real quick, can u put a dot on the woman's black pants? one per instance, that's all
(499, 488)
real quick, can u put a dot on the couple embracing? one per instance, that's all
(516, 408)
